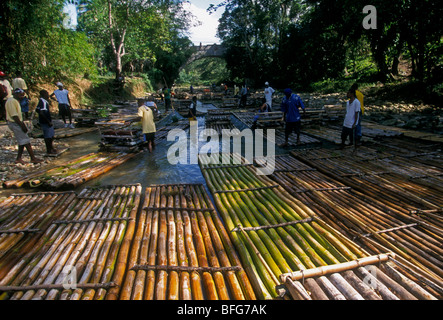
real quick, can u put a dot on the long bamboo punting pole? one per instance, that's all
(326, 270)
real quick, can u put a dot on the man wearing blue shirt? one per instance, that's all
(290, 106)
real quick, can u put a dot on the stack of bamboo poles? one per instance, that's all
(80, 256)
(377, 225)
(181, 250)
(73, 173)
(276, 234)
(162, 132)
(248, 118)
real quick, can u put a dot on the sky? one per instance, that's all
(206, 32)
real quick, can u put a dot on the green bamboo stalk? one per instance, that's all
(251, 269)
(242, 243)
(224, 244)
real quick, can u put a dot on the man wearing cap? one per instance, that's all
(290, 107)
(64, 103)
(7, 93)
(45, 121)
(269, 91)
(18, 127)
(18, 82)
(145, 112)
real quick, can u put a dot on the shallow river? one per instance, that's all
(145, 168)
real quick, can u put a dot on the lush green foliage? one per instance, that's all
(34, 42)
(301, 42)
(145, 38)
(298, 43)
(139, 36)
(204, 72)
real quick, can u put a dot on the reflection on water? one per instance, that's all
(145, 168)
(152, 168)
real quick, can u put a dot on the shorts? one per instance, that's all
(293, 127)
(21, 137)
(63, 109)
(150, 137)
(48, 132)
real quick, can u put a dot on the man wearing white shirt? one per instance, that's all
(64, 103)
(351, 118)
(269, 91)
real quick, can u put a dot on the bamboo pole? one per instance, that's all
(326, 270)
(196, 288)
(173, 278)
(251, 270)
(240, 287)
(151, 259)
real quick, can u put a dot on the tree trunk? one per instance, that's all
(119, 51)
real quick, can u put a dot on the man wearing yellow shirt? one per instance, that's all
(18, 127)
(145, 111)
(18, 82)
(360, 98)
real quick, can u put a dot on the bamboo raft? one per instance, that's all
(436, 138)
(181, 250)
(277, 234)
(62, 133)
(393, 177)
(162, 132)
(219, 120)
(90, 233)
(220, 126)
(367, 217)
(247, 119)
(71, 174)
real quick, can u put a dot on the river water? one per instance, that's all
(145, 168)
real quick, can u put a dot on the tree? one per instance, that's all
(134, 30)
(35, 42)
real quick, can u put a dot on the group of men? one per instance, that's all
(292, 104)
(15, 108)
